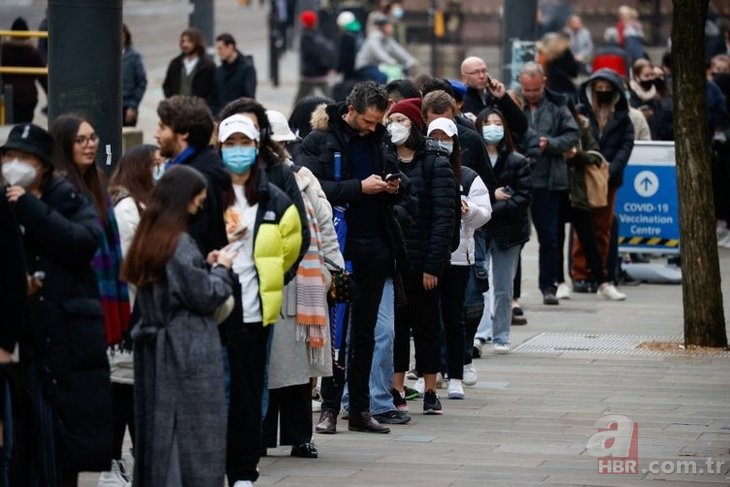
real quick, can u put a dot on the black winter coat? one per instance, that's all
(509, 225)
(23, 54)
(332, 134)
(208, 227)
(616, 140)
(429, 239)
(203, 84)
(234, 80)
(66, 339)
(13, 302)
(473, 104)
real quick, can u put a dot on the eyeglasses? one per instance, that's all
(84, 140)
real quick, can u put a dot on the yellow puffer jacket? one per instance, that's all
(277, 241)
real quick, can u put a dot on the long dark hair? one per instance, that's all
(134, 174)
(455, 158)
(196, 37)
(506, 143)
(163, 221)
(64, 129)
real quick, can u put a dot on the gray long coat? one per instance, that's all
(178, 364)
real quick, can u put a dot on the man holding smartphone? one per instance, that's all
(483, 91)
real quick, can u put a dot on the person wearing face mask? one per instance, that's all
(67, 423)
(263, 226)
(509, 228)
(475, 211)
(178, 361)
(602, 102)
(429, 242)
(646, 91)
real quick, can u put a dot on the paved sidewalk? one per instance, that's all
(528, 420)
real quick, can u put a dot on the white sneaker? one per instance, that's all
(563, 291)
(456, 391)
(114, 477)
(420, 386)
(724, 241)
(412, 374)
(440, 381)
(470, 375)
(243, 483)
(501, 348)
(609, 291)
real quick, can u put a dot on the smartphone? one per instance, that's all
(392, 177)
(508, 190)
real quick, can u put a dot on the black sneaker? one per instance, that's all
(399, 401)
(549, 297)
(392, 417)
(431, 403)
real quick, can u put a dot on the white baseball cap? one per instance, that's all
(445, 124)
(346, 17)
(280, 131)
(237, 124)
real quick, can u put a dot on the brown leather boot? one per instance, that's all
(364, 422)
(327, 424)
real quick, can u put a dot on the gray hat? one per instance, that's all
(31, 139)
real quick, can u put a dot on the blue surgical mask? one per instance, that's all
(239, 159)
(447, 146)
(492, 134)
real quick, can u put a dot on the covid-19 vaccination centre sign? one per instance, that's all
(647, 205)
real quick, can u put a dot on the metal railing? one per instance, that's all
(6, 97)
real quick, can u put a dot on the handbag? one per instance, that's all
(342, 288)
(597, 182)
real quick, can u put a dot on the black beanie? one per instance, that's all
(19, 24)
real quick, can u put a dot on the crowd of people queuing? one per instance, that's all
(197, 297)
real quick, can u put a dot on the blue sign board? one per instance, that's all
(647, 205)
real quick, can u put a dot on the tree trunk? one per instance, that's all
(704, 319)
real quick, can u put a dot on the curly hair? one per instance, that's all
(188, 115)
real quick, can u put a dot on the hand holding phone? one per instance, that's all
(392, 177)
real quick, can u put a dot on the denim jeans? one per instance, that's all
(381, 371)
(504, 266)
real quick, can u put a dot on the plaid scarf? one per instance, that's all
(114, 293)
(311, 292)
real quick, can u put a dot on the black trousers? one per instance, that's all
(247, 357)
(292, 406)
(453, 291)
(372, 264)
(582, 223)
(421, 315)
(122, 415)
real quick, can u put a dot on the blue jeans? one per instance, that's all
(546, 216)
(504, 266)
(381, 371)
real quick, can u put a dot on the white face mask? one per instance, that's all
(398, 133)
(447, 146)
(19, 173)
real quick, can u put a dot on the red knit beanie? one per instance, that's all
(308, 18)
(411, 108)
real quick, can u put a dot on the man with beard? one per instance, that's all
(192, 73)
(183, 134)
